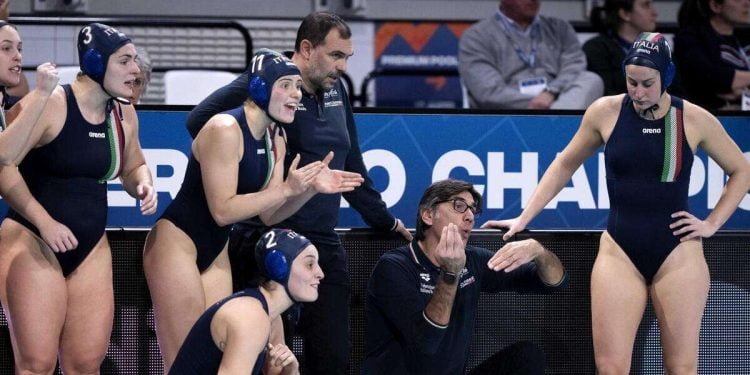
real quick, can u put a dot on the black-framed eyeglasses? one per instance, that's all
(461, 206)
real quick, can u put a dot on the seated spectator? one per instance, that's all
(619, 22)
(711, 59)
(518, 59)
(422, 298)
(140, 85)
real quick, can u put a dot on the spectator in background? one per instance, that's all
(619, 23)
(140, 85)
(422, 298)
(518, 59)
(21, 88)
(712, 60)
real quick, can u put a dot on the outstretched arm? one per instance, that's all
(584, 143)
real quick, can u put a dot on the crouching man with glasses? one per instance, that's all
(422, 298)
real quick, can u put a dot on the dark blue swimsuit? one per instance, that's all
(648, 166)
(199, 354)
(189, 210)
(68, 177)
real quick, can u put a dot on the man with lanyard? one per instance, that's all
(520, 60)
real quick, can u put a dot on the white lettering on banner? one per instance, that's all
(498, 180)
(154, 158)
(396, 175)
(580, 192)
(459, 159)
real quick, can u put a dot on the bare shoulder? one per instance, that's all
(699, 124)
(697, 115)
(603, 112)
(245, 314)
(220, 128)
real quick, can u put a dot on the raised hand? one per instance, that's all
(450, 252)
(299, 180)
(512, 225)
(46, 77)
(57, 236)
(330, 181)
(147, 195)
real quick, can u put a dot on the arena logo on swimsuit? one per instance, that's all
(499, 180)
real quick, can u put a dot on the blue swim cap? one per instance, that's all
(266, 67)
(275, 252)
(652, 51)
(96, 42)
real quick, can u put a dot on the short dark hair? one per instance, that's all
(317, 25)
(442, 191)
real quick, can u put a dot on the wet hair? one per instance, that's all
(442, 191)
(317, 25)
(607, 17)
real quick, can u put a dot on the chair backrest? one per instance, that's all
(191, 86)
(67, 74)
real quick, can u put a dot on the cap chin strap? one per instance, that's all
(649, 113)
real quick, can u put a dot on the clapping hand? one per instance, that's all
(330, 181)
(299, 180)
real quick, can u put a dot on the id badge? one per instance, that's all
(532, 86)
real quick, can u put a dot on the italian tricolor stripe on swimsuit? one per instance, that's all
(271, 155)
(116, 146)
(672, 145)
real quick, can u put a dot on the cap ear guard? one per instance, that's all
(265, 69)
(96, 43)
(275, 252)
(259, 91)
(276, 265)
(93, 64)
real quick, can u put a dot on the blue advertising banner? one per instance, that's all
(502, 155)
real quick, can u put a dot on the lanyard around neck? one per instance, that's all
(528, 58)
